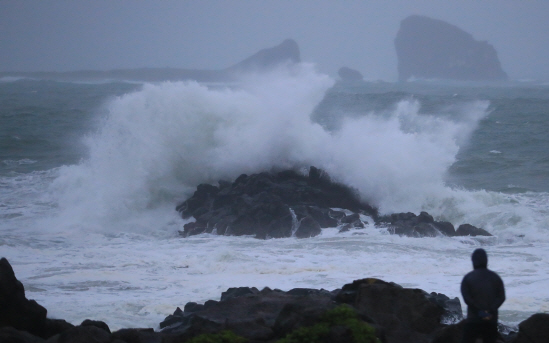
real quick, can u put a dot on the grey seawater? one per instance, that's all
(42, 122)
(137, 278)
(508, 151)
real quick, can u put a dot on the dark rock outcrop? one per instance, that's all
(11, 335)
(405, 314)
(349, 75)
(137, 335)
(20, 313)
(82, 334)
(287, 203)
(398, 314)
(428, 48)
(423, 225)
(272, 205)
(449, 334)
(470, 230)
(534, 329)
(97, 323)
(252, 316)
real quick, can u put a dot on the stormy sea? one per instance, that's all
(91, 173)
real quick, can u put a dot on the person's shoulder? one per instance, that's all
(468, 276)
(496, 275)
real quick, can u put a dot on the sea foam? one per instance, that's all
(157, 144)
(115, 257)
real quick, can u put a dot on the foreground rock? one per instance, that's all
(286, 204)
(19, 313)
(367, 310)
(429, 48)
(534, 329)
(394, 313)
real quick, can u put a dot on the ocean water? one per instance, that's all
(90, 174)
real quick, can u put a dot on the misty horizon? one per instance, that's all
(52, 36)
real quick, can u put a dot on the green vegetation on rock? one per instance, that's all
(342, 317)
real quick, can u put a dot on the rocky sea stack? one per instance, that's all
(293, 204)
(433, 49)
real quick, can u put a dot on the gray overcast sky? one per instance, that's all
(62, 35)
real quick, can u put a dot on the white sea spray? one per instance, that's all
(98, 239)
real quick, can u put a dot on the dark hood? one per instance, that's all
(480, 259)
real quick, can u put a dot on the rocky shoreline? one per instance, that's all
(366, 310)
(269, 205)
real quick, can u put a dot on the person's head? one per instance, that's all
(480, 259)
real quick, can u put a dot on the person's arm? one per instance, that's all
(466, 293)
(500, 293)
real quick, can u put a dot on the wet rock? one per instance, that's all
(308, 227)
(9, 334)
(305, 312)
(452, 307)
(15, 309)
(405, 314)
(236, 292)
(21, 313)
(276, 205)
(82, 334)
(137, 335)
(396, 313)
(446, 228)
(411, 225)
(177, 317)
(534, 329)
(97, 323)
(270, 205)
(470, 230)
(449, 334)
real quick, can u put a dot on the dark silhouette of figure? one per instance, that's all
(483, 292)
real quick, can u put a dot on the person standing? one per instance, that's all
(483, 292)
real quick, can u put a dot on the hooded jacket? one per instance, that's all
(482, 289)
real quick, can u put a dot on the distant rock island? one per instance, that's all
(433, 49)
(347, 74)
(265, 59)
(287, 51)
